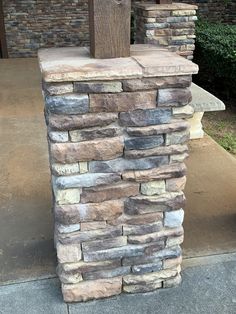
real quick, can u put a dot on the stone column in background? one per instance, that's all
(169, 26)
(117, 142)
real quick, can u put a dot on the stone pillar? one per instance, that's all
(117, 143)
(170, 26)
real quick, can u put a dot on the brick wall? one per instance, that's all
(34, 24)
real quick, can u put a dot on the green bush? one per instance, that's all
(216, 52)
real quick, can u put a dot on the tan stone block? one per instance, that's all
(69, 196)
(153, 188)
(173, 241)
(137, 219)
(155, 236)
(104, 193)
(183, 12)
(183, 112)
(75, 64)
(172, 282)
(94, 289)
(72, 214)
(172, 262)
(104, 149)
(176, 184)
(93, 225)
(178, 158)
(151, 277)
(65, 169)
(69, 253)
(83, 167)
(122, 101)
(142, 288)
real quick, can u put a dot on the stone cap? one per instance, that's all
(166, 7)
(204, 101)
(75, 64)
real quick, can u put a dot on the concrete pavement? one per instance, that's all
(205, 289)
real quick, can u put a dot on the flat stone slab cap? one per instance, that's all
(204, 101)
(166, 7)
(75, 64)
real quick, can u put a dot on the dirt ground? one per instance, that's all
(221, 126)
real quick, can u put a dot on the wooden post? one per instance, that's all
(3, 43)
(109, 22)
(164, 1)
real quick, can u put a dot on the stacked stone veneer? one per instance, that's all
(170, 26)
(117, 138)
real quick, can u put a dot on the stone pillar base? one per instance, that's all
(117, 141)
(169, 26)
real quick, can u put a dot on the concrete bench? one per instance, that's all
(202, 102)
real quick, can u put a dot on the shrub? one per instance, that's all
(216, 52)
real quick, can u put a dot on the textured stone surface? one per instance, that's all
(69, 104)
(174, 126)
(178, 184)
(103, 245)
(174, 97)
(69, 253)
(158, 151)
(88, 290)
(147, 268)
(174, 219)
(86, 180)
(183, 112)
(93, 225)
(64, 170)
(104, 193)
(142, 229)
(156, 82)
(165, 172)
(121, 164)
(145, 117)
(86, 135)
(120, 271)
(152, 256)
(114, 253)
(60, 137)
(73, 214)
(147, 278)
(97, 87)
(122, 101)
(177, 138)
(58, 88)
(148, 204)
(117, 173)
(89, 150)
(71, 122)
(143, 142)
(92, 235)
(69, 196)
(153, 188)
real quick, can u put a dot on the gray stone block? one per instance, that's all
(174, 219)
(86, 180)
(143, 142)
(67, 104)
(121, 164)
(145, 117)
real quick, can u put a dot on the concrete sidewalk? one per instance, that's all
(205, 289)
